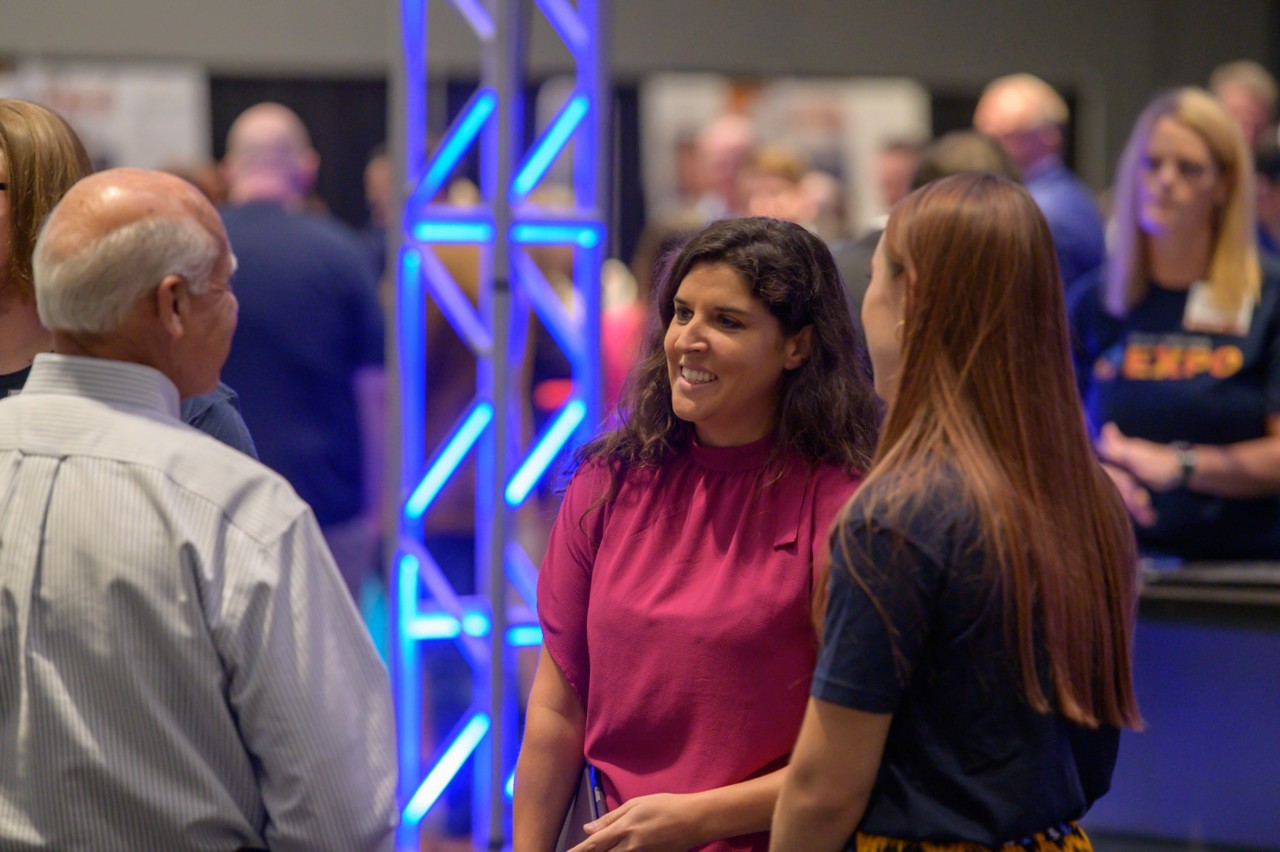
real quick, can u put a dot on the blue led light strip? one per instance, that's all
(455, 305)
(453, 231)
(448, 460)
(522, 574)
(547, 448)
(475, 652)
(457, 140)
(510, 787)
(546, 149)
(524, 636)
(488, 128)
(412, 341)
(564, 329)
(438, 626)
(447, 767)
(584, 234)
(413, 22)
(475, 624)
(408, 681)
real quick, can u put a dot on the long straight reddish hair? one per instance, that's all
(986, 390)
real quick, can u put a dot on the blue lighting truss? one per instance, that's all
(513, 290)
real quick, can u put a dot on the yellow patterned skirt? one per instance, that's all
(1067, 837)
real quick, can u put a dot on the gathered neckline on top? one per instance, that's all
(733, 459)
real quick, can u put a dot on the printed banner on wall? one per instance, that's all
(153, 116)
(699, 130)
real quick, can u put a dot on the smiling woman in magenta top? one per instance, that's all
(676, 597)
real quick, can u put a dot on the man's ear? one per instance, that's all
(798, 347)
(227, 170)
(308, 169)
(173, 303)
(1050, 136)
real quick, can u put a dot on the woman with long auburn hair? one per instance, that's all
(676, 594)
(975, 666)
(1177, 340)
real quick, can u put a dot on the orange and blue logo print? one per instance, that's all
(1167, 359)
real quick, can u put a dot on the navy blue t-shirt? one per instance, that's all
(309, 320)
(966, 759)
(1158, 381)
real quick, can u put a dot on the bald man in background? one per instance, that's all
(1026, 116)
(180, 664)
(308, 355)
(1249, 93)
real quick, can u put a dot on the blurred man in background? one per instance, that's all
(1025, 115)
(1248, 91)
(308, 354)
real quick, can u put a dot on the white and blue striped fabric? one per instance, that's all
(181, 666)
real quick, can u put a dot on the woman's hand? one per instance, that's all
(661, 822)
(1136, 498)
(1154, 465)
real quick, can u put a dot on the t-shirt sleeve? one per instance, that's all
(832, 491)
(564, 581)
(877, 621)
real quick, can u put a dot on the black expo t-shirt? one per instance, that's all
(966, 759)
(1157, 380)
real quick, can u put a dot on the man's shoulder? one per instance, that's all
(143, 447)
(1061, 187)
(925, 511)
(307, 224)
(1084, 295)
(252, 496)
(265, 237)
(329, 231)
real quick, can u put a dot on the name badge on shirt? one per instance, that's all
(1202, 315)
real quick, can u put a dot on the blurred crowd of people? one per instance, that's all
(1171, 287)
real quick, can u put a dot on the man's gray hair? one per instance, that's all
(93, 288)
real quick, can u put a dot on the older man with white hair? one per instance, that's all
(180, 664)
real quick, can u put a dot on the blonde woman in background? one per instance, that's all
(1178, 340)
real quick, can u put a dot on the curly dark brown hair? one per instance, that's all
(827, 412)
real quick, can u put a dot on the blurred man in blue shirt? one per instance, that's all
(1025, 115)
